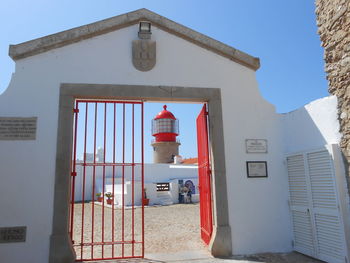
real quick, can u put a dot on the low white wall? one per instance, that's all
(128, 193)
(155, 197)
(312, 126)
(154, 173)
(315, 126)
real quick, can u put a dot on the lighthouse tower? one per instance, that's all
(165, 128)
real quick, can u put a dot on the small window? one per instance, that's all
(161, 187)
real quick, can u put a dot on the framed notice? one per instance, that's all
(13, 234)
(256, 169)
(256, 145)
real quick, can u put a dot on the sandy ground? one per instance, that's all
(168, 230)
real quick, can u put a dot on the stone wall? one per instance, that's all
(333, 21)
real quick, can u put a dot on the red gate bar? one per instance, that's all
(93, 186)
(73, 173)
(86, 171)
(142, 182)
(123, 183)
(108, 164)
(104, 180)
(113, 181)
(133, 181)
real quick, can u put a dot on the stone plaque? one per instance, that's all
(256, 145)
(257, 169)
(16, 128)
(13, 234)
(144, 54)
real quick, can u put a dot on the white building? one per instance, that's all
(155, 174)
(268, 170)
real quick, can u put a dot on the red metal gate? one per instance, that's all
(204, 174)
(107, 212)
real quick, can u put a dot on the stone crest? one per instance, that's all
(143, 54)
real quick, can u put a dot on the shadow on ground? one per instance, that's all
(293, 257)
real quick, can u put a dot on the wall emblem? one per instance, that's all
(144, 54)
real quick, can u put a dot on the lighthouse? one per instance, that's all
(165, 128)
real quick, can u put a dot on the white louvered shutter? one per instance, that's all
(317, 225)
(299, 205)
(325, 205)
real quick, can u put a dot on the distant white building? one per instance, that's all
(89, 157)
(174, 176)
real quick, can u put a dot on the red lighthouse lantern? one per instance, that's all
(165, 128)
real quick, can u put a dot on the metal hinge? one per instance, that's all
(206, 113)
(73, 173)
(76, 110)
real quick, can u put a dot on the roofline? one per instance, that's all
(43, 44)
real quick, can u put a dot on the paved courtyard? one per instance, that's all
(171, 235)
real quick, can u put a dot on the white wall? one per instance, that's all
(154, 173)
(312, 126)
(258, 210)
(155, 197)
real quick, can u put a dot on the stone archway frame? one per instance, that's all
(61, 249)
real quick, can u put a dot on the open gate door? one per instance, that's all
(204, 174)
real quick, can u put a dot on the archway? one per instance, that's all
(61, 249)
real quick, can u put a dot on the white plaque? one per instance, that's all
(257, 169)
(256, 145)
(16, 128)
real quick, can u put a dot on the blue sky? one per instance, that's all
(283, 34)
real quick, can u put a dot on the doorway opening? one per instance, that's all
(61, 241)
(110, 188)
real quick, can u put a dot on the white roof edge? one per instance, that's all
(43, 44)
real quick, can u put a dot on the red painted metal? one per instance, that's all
(113, 180)
(165, 114)
(204, 175)
(142, 181)
(133, 182)
(84, 173)
(104, 180)
(115, 241)
(123, 183)
(74, 173)
(93, 185)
